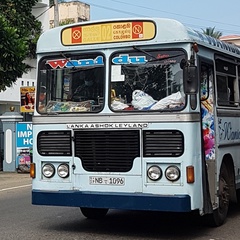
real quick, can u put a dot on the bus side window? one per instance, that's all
(238, 93)
(225, 90)
(204, 78)
(231, 90)
(222, 90)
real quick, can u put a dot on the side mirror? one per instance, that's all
(190, 79)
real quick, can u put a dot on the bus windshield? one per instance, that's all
(147, 80)
(139, 81)
(71, 84)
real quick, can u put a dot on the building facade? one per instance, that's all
(70, 12)
(234, 39)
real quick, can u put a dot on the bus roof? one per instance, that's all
(122, 32)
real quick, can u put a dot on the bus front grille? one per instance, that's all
(163, 143)
(54, 143)
(107, 151)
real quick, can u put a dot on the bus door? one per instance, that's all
(208, 133)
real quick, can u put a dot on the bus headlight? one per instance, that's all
(154, 173)
(63, 170)
(48, 170)
(172, 173)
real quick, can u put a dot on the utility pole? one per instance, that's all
(56, 14)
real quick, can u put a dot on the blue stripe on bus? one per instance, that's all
(174, 203)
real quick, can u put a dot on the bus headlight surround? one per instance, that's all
(154, 172)
(48, 170)
(63, 170)
(172, 173)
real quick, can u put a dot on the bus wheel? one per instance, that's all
(94, 213)
(219, 215)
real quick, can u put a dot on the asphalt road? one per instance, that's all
(19, 219)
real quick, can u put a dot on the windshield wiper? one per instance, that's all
(74, 67)
(141, 50)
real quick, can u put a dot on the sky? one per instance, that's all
(223, 15)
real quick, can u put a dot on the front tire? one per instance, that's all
(94, 213)
(219, 215)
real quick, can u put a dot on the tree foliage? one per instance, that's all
(210, 31)
(66, 21)
(19, 32)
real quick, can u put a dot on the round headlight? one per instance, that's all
(172, 173)
(48, 170)
(63, 170)
(154, 173)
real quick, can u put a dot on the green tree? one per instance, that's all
(66, 21)
(19, 32)
(211, 32)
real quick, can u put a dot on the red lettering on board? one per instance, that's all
(57, 63)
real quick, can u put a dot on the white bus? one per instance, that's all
(136, 114)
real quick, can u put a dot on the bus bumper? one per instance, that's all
(126, 201)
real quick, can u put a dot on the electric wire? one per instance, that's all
(231, 31)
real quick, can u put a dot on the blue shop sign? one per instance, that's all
(24, 135)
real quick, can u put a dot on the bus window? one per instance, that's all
(238, 92)
(147, 81)
(73, 84)
(222, 90)
(226, 81)
(225, 90)
(231, 90)
(206, 73)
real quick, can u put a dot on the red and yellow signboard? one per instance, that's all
(108, 32)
